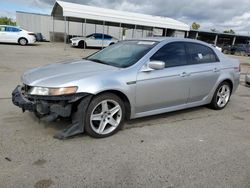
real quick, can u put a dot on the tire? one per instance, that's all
(100, 121)
(221, 96)
(111, 43)
(23, 41)
(81, 44)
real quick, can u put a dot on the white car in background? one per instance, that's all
(217, 47)
(13, 34)
(93, 40)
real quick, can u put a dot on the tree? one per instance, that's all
(6, 21)
(229, 31)
(195, 26)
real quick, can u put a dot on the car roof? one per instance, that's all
(171, 39)
(10, 26)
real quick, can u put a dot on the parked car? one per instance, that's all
(217, 47)
(248, 77)
(228, 49)
(93, 40)
(130, 79)
(242, 49)
(12, 34)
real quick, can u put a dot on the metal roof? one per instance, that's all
(79, 11)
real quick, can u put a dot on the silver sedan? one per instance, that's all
(130, 79)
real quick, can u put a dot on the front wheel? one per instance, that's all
(105, 115)
(221, 96)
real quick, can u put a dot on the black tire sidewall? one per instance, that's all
(213, 103)
(96, 100)
(82, 43)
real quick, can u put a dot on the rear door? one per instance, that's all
(204, 70)
(12, 34)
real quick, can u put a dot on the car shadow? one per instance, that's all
(16, 44)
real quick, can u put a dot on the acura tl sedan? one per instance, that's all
(130, 79)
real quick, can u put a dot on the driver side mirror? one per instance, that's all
(156, 65)
(153, 65)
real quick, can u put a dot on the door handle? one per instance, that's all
(216, 70)
(185, 74)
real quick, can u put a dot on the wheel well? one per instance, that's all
(22, 38)
(81, 43)
(230, 83)
(124, 98)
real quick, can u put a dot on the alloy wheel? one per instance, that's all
(223, 96)
(106, 116)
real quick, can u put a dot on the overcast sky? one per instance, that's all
(218, 14)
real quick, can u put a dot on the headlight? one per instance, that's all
(52, 91)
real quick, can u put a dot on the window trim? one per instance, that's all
(174, 42)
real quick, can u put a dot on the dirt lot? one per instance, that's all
(198, 147)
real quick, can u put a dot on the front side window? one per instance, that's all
(198, 54)
(2, 28)
(107, 37)
(172, 54)
(123, 54)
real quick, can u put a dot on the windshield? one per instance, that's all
(123, 54)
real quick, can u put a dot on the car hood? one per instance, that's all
(65, 74)
(77, 38)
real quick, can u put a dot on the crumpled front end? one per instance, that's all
(50, 108)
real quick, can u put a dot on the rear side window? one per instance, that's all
(172, 54)
(198, 54)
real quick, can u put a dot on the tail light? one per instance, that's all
(32, 34)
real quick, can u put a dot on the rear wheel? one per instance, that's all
(221, 96)
(23, 41)
(105, 115)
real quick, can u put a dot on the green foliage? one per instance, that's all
(195, 26)
(229, 31)
(6, 21)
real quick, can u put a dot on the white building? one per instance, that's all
(80, 20)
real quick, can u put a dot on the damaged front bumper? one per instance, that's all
(49, 108)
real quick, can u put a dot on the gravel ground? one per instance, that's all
(197, 147)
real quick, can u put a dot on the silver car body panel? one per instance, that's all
(149, 93)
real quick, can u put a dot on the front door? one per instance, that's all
(169, 87)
